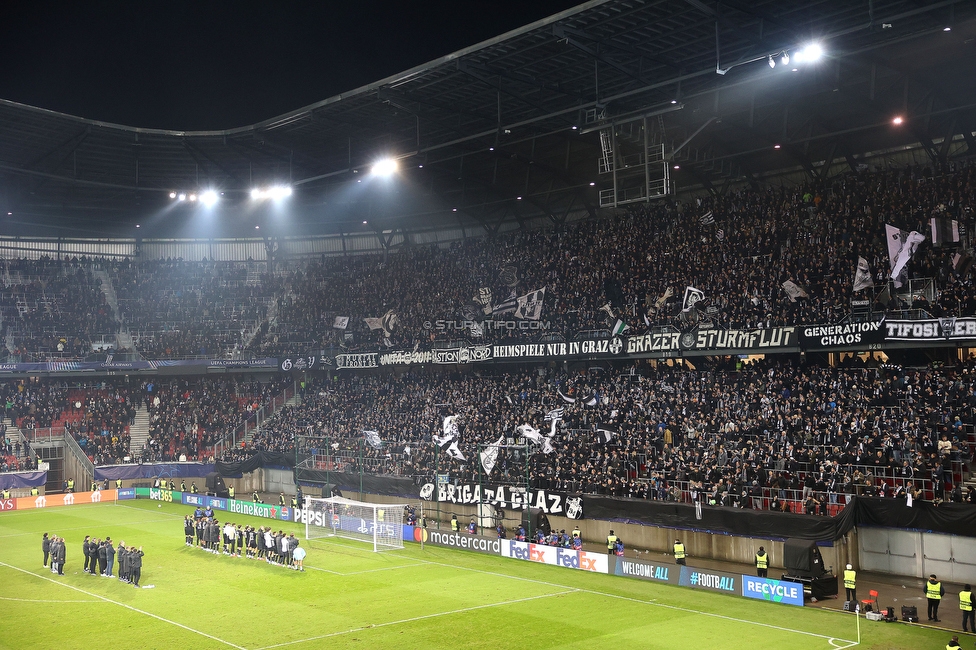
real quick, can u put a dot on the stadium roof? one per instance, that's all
(508, 131)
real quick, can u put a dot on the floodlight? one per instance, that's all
(193, 197)
(209, 198)
(785, 59)
(255, 194)
(898, 120)
(384, 167)
(279, 192)
(810, 54)
(181, 197)
(172, 195)
(771, 61)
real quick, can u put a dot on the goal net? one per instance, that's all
(380, 524)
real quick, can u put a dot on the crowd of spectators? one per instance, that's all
(52, 309)
(98, 415)
(767, 435)
(737, 249)
(187, 418)
(174, 308)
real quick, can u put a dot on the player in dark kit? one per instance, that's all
(188, 528)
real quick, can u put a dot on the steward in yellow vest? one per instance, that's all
(762, 563)
(850, 583)
(679, 552)
(611, 543)
(35, 492)
(966, 605)
(118, 484)
(934, 591)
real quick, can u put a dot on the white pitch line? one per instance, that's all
(362, 628)
(34, 600)
(115, 602)
(643, 602)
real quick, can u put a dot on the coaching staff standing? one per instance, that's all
(135, 566)
(46, 548)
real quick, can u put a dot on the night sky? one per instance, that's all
(216, 65)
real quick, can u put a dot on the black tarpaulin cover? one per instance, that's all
(950, 518)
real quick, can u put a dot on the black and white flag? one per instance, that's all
(901, 246)
(794, 291)
(961, 263)
(373, 439)
(454, 452)
(450, 430)
(604, 436)
(592, 400)
(530, 305)
(506, 306)
(484, 299)
(566, 398)
(340, 322)
(862, 275)
(555, 414)
(489, 456)
(374, 323)
(509, 275)
(529, 432)
(944, 231)
(692, 297)
(390, 321)
(707, 219)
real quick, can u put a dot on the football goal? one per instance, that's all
(380, 524)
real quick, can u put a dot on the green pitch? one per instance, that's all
(350, 597)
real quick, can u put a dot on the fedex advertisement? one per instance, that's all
(564, 557)
(775, 591)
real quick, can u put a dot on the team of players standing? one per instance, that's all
(100, 556)
(276, 548)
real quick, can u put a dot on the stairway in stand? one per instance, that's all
(139, 431)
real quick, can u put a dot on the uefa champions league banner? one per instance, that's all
(126, 366)
(19, 480)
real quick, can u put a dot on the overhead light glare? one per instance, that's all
(809, 54)
(275, 192)
(771, 61)
(776, 146)
(947, 29)
(181, 197)
(209, 198)
(898, 120)
(172, 195)
(384, 167)
(785, 59)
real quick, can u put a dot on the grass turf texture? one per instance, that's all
(351, 597)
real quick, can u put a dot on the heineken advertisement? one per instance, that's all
(265, 510)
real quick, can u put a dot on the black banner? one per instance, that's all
(395, 486)
(260, 459)
(950, 518)
(851, 335)
(935, 329)
(505, 497)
